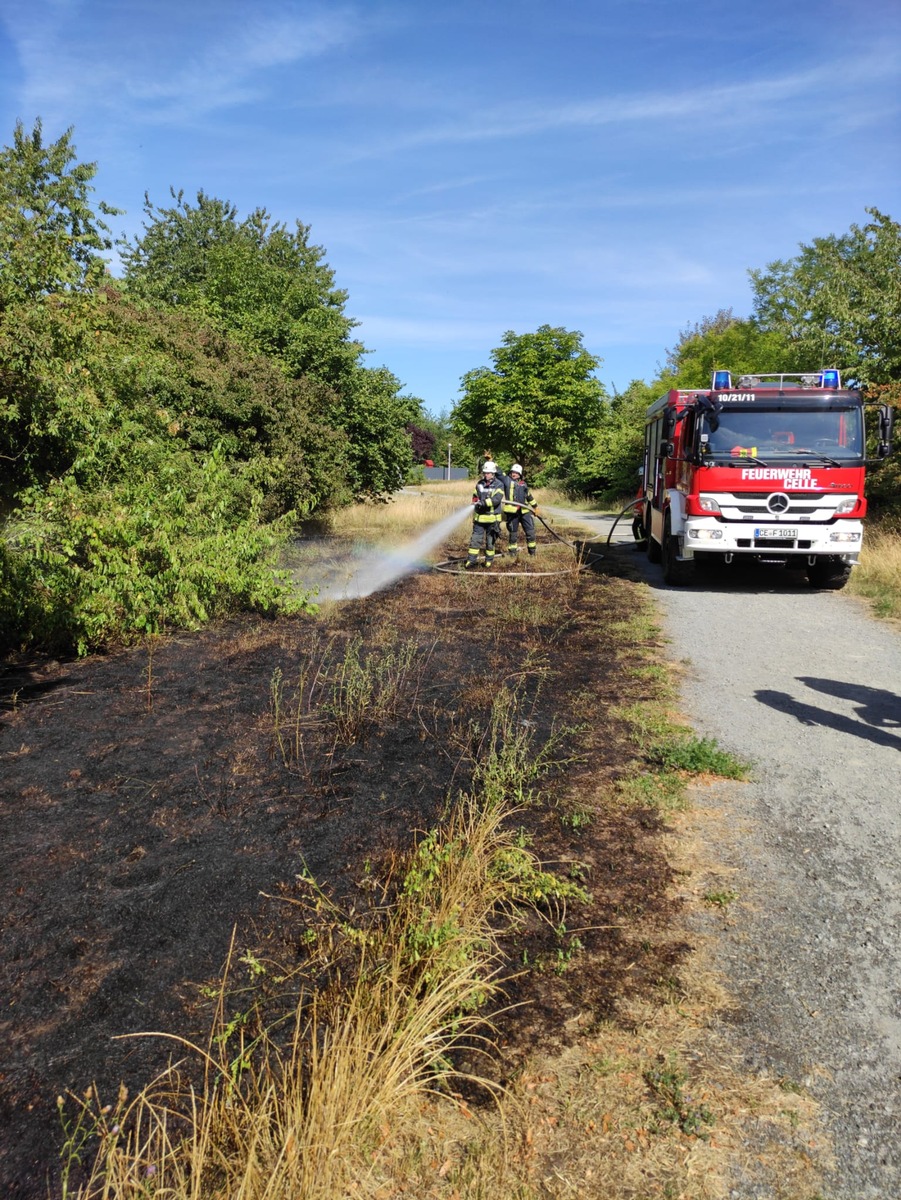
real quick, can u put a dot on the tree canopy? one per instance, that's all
(538, 399)
(51, 239)
(272, 290)
(732, 343)
(838, 302)
(608, 462)
(266, 283)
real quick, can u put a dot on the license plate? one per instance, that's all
(776, 531)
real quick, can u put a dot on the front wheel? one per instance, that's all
(679, 573)
(828, 573)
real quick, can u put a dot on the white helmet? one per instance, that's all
(516, 469)
(489, 468)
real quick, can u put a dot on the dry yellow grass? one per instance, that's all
(311, 1121)
(878, 577)
(463, 489)
(405, 513)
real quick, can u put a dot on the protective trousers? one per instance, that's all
(514, 520)
(483, 534)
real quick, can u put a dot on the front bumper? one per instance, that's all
(841, 539)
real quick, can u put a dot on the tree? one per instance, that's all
(609, 462)
(440, 428)
(837, 302)
(727, 342)
(267, 284)
(51, 239)
(153, 469)
(539, 398)
(375, 416)
(272, 290)
(422, 442)
(87, 380)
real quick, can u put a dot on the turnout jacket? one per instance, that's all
(488, 499)
(516, 494)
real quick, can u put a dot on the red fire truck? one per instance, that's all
(766, 466)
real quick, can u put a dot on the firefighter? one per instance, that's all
(519, 505)
(488, 499)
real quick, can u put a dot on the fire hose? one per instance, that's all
(635, 503)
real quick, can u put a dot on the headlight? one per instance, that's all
(708, 504)
(846, 506)
(705, 535)
(837, 536)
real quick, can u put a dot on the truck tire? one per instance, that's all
(680, 574)
(828, 573)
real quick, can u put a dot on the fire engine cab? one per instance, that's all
(765, 466)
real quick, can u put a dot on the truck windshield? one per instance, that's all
(756, 433)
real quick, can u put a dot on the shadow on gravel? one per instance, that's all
(810, 714)
(876, 706)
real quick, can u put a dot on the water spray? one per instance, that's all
(375, 569)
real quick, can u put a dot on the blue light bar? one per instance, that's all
(722, 380)
(831, 379)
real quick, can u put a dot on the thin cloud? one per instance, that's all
(152, 83)
(740, 102)
(233, 71)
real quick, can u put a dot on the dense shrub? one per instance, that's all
(172, 543)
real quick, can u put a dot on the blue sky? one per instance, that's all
(612, 166)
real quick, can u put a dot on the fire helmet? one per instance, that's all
(489, 468)
(516, 469)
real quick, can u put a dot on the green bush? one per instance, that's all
(172, 547)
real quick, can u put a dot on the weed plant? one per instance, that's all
(338, 696)
(673, 753)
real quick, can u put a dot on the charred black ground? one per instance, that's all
(147, 812)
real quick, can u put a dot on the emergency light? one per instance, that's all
(722, 381)
(830, 379)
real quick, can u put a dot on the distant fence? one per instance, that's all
(445, 473)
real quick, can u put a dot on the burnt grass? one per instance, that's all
(147, 813)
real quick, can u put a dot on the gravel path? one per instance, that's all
(806, 685)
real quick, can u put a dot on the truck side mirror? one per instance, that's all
(886, 430)
(669, 424)
(667, 449)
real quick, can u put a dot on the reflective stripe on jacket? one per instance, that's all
(490, 495)
(517, 490)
